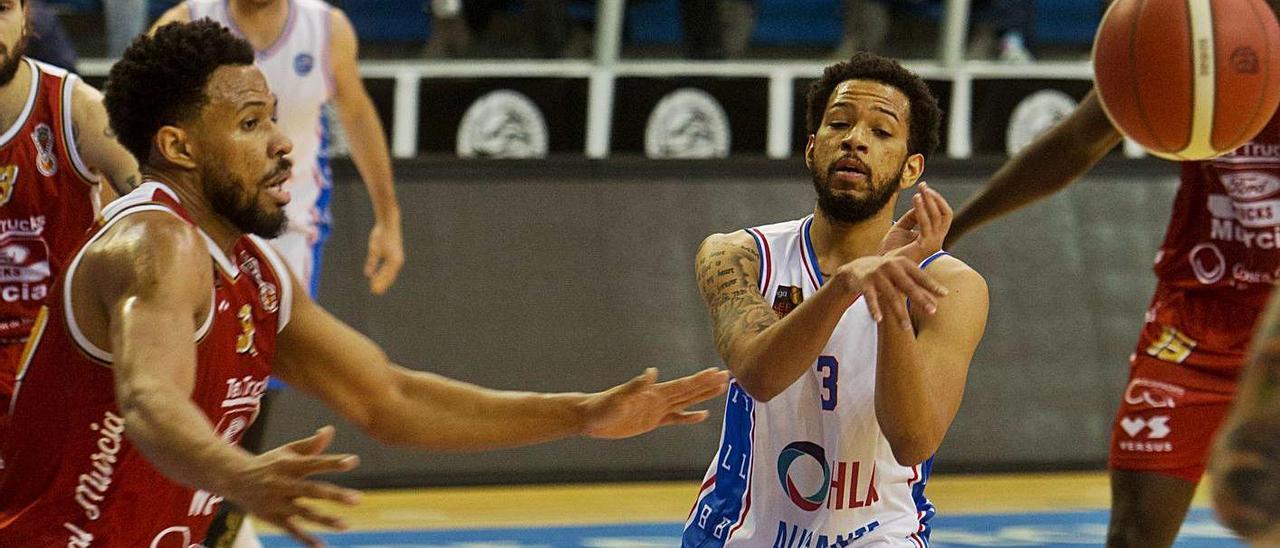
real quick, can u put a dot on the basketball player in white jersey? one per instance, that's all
(307, 50)
(848, 336)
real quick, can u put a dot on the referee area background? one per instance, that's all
(552, 209)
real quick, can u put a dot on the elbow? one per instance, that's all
(912, 449)
(756, 386)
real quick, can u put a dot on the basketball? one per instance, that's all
(1188, 79)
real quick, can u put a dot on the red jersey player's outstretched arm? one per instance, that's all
(146, 285)
(323, 357)
(1047, 165)
(1246, 462)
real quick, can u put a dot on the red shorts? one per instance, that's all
(1168, 419)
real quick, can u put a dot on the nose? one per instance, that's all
(281, 145)
(855, 140)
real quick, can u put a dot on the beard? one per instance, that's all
(11, 59)
(245, 212)
(852, 209)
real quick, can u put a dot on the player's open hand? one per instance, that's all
(641, 404)
(920, 231)
(386, 256)
(886, 282)
(275, 485)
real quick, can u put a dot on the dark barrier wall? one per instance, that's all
(577, 276)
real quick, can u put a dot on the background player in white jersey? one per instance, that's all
(843, 388)
(307, 50)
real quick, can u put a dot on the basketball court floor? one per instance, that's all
(1042, 510)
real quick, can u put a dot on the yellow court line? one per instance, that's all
(594, 504)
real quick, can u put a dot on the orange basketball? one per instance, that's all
(1188, 79)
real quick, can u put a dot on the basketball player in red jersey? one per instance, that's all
(1215, 270)
(54, 146)
(151, 358)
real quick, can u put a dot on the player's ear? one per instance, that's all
(808, 153)
(173, 144)
(912, 169)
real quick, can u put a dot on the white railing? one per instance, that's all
(603, 70)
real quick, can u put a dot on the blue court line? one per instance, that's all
(1032, 529)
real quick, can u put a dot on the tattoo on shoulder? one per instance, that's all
(725, 280)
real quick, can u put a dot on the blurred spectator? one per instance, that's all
(1005, 31)
(454, 22)
(125, 19)
(1001, 28)
(49, 42)
(717, 29)
(866, 26)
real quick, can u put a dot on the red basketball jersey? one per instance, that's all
(1219, 259)
(73, 477)
(48, 199)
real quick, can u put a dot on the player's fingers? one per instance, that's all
(702, 393)
(908, 220)
(916, 292)
(934, 212)
(372, 260)
(678, 388)
(298, 533)
(320, 464)
(943, 206)
(313, 444)
(928, 282)
(685, 417)
(323, 490)
(925, 219)
(314, 516)
(386, 275)
(892, 300)
(873, 303)
(640, 382)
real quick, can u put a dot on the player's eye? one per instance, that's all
(881, 133)
(249, 124)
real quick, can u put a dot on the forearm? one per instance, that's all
(369, 151)
(909, 397)
(769, 362)
(1046, 166)
(177, 438)
(431, 412)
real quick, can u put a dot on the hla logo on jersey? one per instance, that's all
(797, 450)
(46, 162)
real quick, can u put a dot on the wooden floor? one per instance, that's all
(487, 507)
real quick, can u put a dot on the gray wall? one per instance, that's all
(579, 278)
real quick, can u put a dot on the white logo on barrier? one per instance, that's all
(1208, 263)
(1034, 115)
(502, 124)
(687, 123)
(1157, 427)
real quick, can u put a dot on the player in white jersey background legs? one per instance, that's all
(848, 336)
(307, 50)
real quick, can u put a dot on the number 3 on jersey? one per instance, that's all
(828, 376)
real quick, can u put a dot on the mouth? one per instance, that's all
(851, 171)
(275, 188)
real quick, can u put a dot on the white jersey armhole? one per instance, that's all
(68, 310)
(283, 274)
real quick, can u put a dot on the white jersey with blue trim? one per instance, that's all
(810, 468)
(297, 68)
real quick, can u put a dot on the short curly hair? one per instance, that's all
(160, 80)
(926, 116)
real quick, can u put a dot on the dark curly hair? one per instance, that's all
(926, 116)
(161, 79)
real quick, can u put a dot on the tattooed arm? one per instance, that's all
(1246, 463)
(766, 354)
(96, 143)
